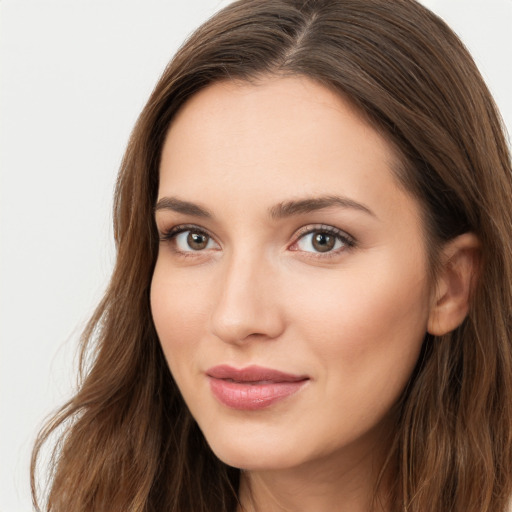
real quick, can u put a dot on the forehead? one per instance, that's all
(255, 143)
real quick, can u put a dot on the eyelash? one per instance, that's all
(170, 235)
(347, 240)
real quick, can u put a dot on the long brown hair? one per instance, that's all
(127, 441)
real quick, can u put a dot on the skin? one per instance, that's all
(351, 319)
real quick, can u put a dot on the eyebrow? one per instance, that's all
(278, 211)
(307, 205)
(180, 206)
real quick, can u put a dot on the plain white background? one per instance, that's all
(75, 74)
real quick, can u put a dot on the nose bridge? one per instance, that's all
(246, 302)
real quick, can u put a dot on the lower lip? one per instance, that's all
(251, 397)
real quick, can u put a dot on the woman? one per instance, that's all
(314, 236)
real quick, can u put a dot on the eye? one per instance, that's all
(189, 239)
(193, 241)
(323, 240)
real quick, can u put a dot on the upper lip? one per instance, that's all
(252, 373)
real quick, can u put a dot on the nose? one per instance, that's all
(248, 302)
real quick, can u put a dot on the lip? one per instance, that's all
(253, 387)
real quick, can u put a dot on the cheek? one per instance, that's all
(365, 328)
(179, 315)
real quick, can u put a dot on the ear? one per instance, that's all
(460, 260)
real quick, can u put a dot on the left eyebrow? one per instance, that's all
(308, 205)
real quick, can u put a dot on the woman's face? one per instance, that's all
(290, 293)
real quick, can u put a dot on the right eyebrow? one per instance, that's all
(180, 206)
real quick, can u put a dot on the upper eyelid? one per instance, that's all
(170, 234)
(180, 228)
(167, 234)
(311, 228)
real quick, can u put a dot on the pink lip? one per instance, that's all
(252, 387)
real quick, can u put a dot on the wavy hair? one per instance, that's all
(127, 442)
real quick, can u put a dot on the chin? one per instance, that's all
(251, 461)
(248, 453)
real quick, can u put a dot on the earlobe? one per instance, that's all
(454, 284)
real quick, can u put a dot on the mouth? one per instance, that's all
(252, 387)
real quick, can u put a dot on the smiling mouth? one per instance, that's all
(253, 387)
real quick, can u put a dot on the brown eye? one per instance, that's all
(197, 241)
(190, 240)
(323, 242)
